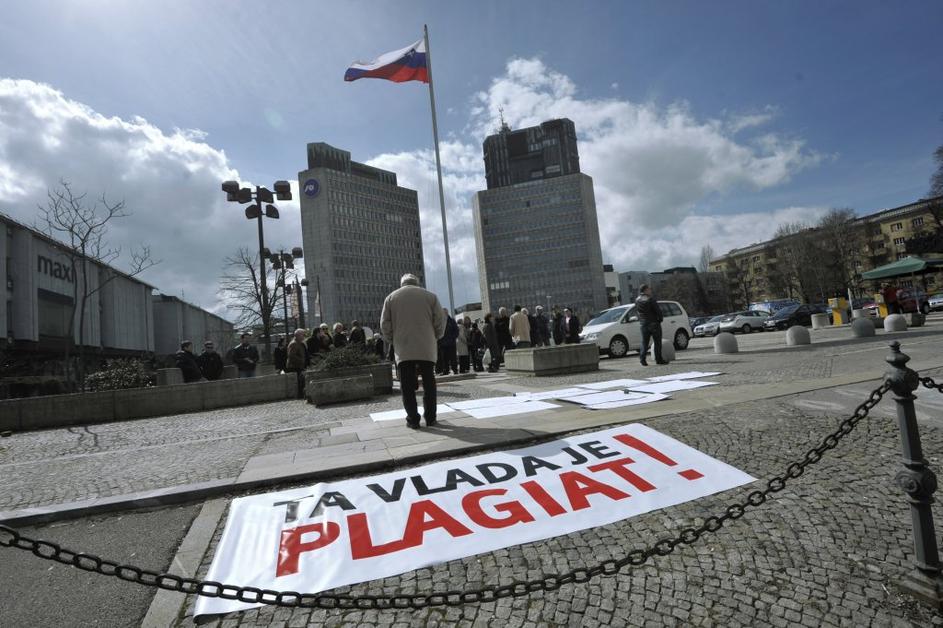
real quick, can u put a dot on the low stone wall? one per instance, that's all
(575, 358)
(321, 392)
(381, 372)
(33, 413)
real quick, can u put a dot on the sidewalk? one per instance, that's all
(273, 444)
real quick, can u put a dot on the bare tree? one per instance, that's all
(240, 286)
(843, 241)
(936, 179)
(83, 226)
(738, 274)
(707, 254)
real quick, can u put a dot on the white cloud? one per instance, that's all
(170, 182)
(654, 169)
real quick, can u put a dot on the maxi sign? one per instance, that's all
(328, 535)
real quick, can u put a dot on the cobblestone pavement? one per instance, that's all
(826, 551)
(63, 465)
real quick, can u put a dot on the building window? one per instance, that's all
(917, 222)
(901, 255)
(897, 226)
(899, 241)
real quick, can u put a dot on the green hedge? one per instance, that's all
(345, 357)
(120, 375)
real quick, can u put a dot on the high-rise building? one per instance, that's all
(360, 232)
(537, 152)
(536, 232)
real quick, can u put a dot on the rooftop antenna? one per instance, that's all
(504, 125)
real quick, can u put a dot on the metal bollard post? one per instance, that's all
(925, 582)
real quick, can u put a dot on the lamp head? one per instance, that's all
(271, 211)
(230, 187)
(252, 212)
(265, 195)
(282, 190)
(297, 253)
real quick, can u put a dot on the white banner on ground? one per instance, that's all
(685, 375)
(328, 535)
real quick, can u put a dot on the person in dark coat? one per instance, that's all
(490, 334)
(540, 329)
(245, 356)
(296, 358)
(557, 327)
(476, 347)
(502, 326)
(649, 320)
(571, 327)
(449, 349)
(279, 355)
(211, 364)
(186, 362)
(357, 335)
(379, 347)
(339, 339)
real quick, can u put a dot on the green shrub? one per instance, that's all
(346, 357)
(119, 375)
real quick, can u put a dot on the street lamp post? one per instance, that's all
(261, 195)
(284, 261)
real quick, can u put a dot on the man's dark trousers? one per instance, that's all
(651, 332)
(409, 371)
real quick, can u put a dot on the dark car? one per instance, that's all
(792, 315)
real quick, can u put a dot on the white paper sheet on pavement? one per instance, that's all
(671, 386)
(603, 397)
(633, 401)
(560, 393)
(400, 415)
(491, 412)
(613, 383)
(687, 375)
(487, 402)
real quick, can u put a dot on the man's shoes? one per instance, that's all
(643, 363)
(431, 422)
(662, 362)
(413, 425)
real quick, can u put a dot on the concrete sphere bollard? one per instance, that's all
(798, 335)
(725, 342)
(819, 321)
(916, 319)
(667, 350)
(862, 328)
(895, 322)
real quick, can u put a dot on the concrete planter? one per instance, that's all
(915, 319)
(575, 358)
(325, 391)
(819, 321)
(382, 374)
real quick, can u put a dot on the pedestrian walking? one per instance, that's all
(520, 328)
(571, 327)
(890, 299)
(296, 359)
(210, 362)
(490, 334)
(279, 355)
(186, 362)
(461, 344)
(412, 321)
(649, 320)
(245, 356)
(379, 347)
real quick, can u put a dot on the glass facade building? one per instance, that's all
(538, 244)
(537, 152)
(360, 233)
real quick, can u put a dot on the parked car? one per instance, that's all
(745, 321)
(792, 315)
(617, 330)
(912, 300)
(936, 302)
(709, 328)
(772, 305)
(698, 320)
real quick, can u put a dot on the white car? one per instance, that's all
(745, 321)
(710, 328)
(617, 330)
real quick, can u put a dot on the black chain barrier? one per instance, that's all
(929, 383)
(635, 558)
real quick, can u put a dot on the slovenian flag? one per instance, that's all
(408, 64)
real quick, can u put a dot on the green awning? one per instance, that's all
(902, 267)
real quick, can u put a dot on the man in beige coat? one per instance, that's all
(520, 328)
(412, 322)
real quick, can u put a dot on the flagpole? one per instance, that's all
(438, 167)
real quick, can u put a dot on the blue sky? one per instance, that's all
(790, 108)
